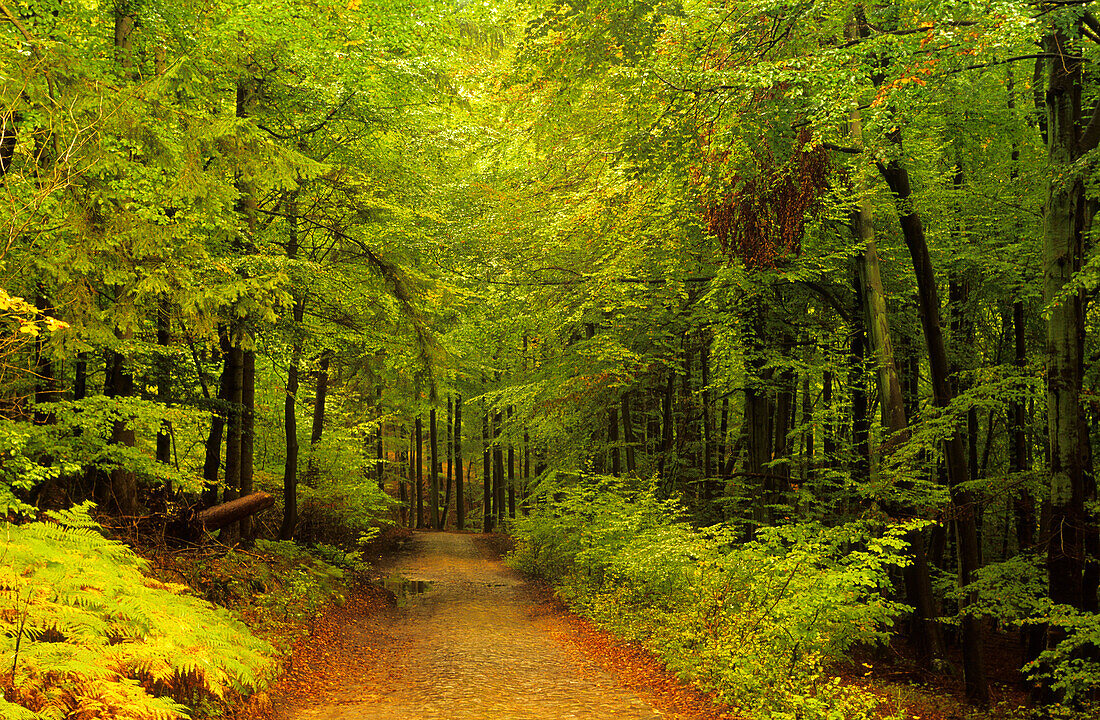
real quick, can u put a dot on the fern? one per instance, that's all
(83, 634)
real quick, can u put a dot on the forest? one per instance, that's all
(764, 327)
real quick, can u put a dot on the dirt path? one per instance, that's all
(472, 646)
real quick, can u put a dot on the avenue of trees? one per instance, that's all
(423, 262)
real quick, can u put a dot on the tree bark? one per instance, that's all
(290, 400)
(212, 462)
(486, 473)
(433, 448)
(628, 437)
(419, 467)
(248, 434)
(897, 177)
(498, 468)
(164, 383)
(511, 469)
(379, 448)
(224, 515)
(460, 492)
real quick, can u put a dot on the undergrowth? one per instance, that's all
(759, 623)
(85, 634)
(88, 631)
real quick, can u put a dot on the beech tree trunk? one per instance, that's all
(486, 473)
(498, 469)
(511, 469)
(212, 463)
(379, 449)
(248, 434)
(122, 497)
(233, 429)
(460, 492)
(290, 400)
(418, 464)
(164, 383)
(433, 447)
(963, 501)
(628, 438)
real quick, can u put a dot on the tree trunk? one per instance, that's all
(224, 515)
(379, 448)
(498, 468)
(419, 468)
(234, 365)
(897, 177)
(448, 445)
(628, 437)
(857, 378)
(164, 383)
(1063, 250)
(212, 462)
(290, 400)
(433, 447)
(248, 434)
(460, 492)
(511, 469)
(613, 440)
(486, 473)
(710, 489)
(123, 481)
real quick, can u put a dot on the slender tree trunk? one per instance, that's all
(290, 400)
(248, 435)
(412, 478)
(320, 397)
(861, 422)
(628, 437)
(402, 459)
(448, 445)
(164, 384)
(460, 491)
(498, 468)
(710, 491)
(233, 431)
(123, 481)
(897, 177)
(525, 506)
(486, 473)
(212, 463)
(379, 447)
(807, 430)
(511, 469)
(613, 440)
(828, 438)
(434, 448)
(419, 467)
(666, 431)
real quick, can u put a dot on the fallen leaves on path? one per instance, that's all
(322, 661)
(632, 665)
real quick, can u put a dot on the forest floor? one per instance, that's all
(448, 632)
(477, 641)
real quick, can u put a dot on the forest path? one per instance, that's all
(473, 646)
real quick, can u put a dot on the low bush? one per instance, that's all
(85, 634)
(760, 623)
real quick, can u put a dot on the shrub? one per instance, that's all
(86, 635)
(759, 623)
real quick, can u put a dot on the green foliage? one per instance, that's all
(759, 622)
(342, 503)
(87, 634)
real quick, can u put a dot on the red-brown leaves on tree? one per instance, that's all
(761, 219)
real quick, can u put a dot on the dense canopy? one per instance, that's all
(808, 280)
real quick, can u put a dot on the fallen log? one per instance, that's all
(221, 515)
